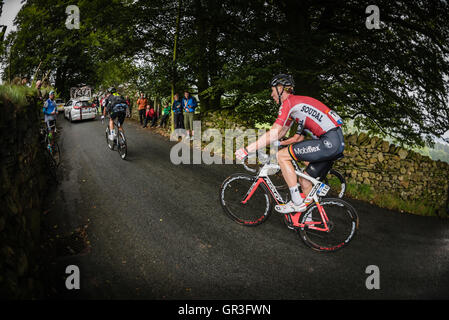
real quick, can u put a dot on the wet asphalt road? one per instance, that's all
(157, 231)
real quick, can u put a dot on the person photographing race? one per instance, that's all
(312, 116)
(117, 107)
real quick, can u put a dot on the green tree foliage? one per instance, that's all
(391, 81)
(72, 56)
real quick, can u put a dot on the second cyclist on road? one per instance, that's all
(117, 108)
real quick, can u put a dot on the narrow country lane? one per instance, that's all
(157, 231)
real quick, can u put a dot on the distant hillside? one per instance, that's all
(439, 152)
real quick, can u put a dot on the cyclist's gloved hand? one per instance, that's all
(241, 154)
(102, 117)
(277, 143)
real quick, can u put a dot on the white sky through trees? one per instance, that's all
(12, 7)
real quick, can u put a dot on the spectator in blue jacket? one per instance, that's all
(188, 104)
(177, 112)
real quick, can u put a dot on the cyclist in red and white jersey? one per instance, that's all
(312, 116)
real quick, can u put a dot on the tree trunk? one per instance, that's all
(300, 55)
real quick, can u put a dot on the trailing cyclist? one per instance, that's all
(50, 113)
(312, 116)
(117, 107)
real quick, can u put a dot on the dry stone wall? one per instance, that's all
(386, 168)
(392, 169)
(23, 180)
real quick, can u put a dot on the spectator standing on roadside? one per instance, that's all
(103, 104)
(154, 118)
(188, 104)
(142, 103)
(177, 111)
(165, 115)
(130, 105)
(149, 115)
(97, 104)
(38, 88)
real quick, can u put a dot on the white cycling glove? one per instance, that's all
(241, 154)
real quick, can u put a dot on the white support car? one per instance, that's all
(75, 110)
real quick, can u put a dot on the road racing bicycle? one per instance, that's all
(327, 224)
(119, 139)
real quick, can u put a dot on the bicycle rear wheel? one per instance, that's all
(343, 224)
(122, 147)
(337, 184)
(110, 143)
(232, 193)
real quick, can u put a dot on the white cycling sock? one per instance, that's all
(296, 196)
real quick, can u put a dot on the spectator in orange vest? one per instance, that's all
(142, 103)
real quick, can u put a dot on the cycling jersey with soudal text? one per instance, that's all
(312, 115)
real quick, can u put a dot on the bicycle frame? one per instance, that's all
(313, 195)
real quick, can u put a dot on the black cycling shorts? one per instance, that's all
(319, 152)
(120, 115)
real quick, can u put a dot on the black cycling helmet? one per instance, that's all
(112, 90)
(283, 80)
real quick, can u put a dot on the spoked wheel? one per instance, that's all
(110, 143)
(337, 184)
(55, 154)
(342, 225)
(122, 148)
(235, 189)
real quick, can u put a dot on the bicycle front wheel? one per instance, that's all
(56, 154)
(51, 165)
(240, 187)
(342, 224)
(122, 147)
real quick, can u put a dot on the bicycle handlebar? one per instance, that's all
(248, 168)
(262, 157)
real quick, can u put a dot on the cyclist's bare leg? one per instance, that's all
(306, 185)
(288, 171)
(289, 174)
(51, 129)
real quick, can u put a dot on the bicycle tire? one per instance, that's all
(343, 224)
(337, 183)
(122, 148)
(52, 167)
(56, 154)
(233, 190)
(109, 142)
